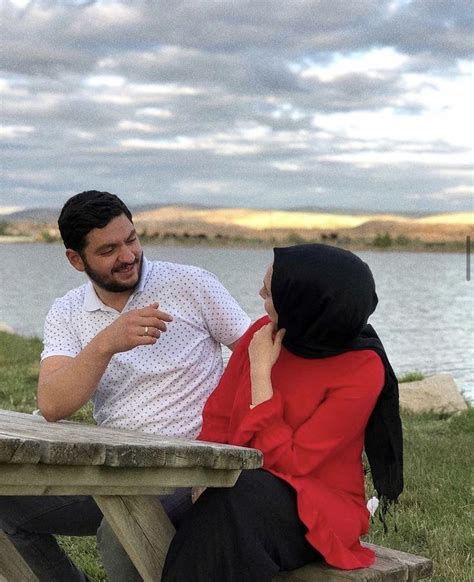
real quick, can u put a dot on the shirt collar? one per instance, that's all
(92, 301)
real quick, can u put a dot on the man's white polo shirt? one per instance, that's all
(160, 388)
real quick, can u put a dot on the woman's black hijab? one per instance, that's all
(324, 296)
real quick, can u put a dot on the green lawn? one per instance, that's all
(433, 517)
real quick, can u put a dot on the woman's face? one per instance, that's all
(266, 295)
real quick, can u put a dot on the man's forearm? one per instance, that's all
(63, 391)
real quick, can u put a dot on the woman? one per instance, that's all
(305, 396)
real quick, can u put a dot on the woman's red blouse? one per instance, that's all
(311, 434)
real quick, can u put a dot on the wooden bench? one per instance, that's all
(390, 566)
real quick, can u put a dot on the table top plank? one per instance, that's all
(26, 438)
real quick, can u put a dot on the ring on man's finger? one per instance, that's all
(146, 330)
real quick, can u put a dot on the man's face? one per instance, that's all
(112, 257)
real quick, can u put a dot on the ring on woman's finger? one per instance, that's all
(146, 330)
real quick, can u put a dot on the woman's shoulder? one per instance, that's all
(365, 357)
(362, 367)
(352, 368)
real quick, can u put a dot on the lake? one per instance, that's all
(425, 315)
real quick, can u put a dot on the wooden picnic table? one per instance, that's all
(123, 470)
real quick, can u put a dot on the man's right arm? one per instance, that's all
(67, 383)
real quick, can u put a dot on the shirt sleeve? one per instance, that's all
(340, 418)
(59, 336)
(225, 319)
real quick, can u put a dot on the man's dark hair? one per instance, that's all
(86, 211)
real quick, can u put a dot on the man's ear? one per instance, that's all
(75, 259)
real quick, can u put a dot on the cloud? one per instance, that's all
(14, 131)
(363, 104)
(431, 26)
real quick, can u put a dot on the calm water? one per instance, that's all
(425, 315)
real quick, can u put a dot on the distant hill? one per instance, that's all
(256, 219)
(171, 222)
(248, 223)
(50, 215)
(352, 211)
(300, 217)
(33, 215)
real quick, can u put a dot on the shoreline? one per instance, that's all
(224, 241)
(13, 239)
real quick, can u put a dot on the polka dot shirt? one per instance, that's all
(160, 388)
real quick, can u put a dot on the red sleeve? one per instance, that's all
(216, 415)
(218, 408)
(340, 418)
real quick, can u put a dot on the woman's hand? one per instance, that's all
(264, 350)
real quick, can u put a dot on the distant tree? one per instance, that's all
(402, 240)
(49, 236)
(382, 240)
(295, 239)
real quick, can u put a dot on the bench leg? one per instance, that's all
(12, 566)
(143, 528)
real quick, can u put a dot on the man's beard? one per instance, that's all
(105, 283)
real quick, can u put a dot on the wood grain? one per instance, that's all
(12, 566)
(390, 566)
(143, 528)
(42, 479)
(29, 439)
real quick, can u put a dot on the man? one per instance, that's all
(141, 339)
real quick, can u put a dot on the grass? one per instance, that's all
(432, 515)
(410, 377)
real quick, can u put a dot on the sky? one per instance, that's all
(361, 104)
